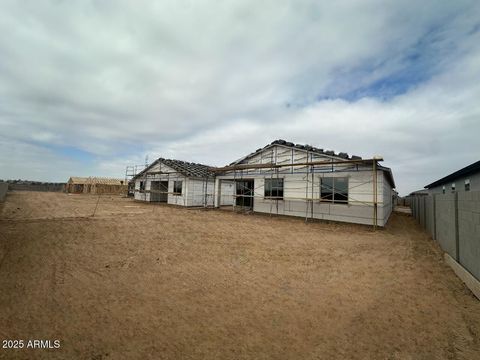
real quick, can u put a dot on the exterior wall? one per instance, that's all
(387, 203)
(141, 196)
(196, 192)
(175, 199)
(459, 185)
(172, 198)
(168, 174)
(302, 190)
(226, 190)
(299, 199)
(193, 192)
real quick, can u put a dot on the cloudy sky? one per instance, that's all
(88, 87)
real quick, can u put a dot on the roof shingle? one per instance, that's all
(306, 147)
(185, 168)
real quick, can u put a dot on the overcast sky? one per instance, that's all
(88, 87)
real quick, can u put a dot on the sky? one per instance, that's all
(89, 87)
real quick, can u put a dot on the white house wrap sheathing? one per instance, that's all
(366, 195)
(194, 191)
(302, 186)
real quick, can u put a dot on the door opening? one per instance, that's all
(245, 193)
(159, 191)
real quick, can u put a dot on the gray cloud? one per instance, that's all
(87, 87)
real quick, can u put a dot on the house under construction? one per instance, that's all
(300, 180)
(175, 182)
(95, 185)
(281, 178)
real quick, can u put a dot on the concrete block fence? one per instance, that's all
(452, 219)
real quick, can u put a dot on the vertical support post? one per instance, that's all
(271, 177)
(375, 197)
(434, 217)
(234, 189)
(306, 194)
(185, 190)
(96, 206)
(217, 192)
(213, 193)
(313, 180)
(276, 172)
(425, 212)
(205, 186)
(292, 162)
(457, 242)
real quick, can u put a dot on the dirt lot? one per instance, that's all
(140, 281)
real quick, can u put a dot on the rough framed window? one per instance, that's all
(142, 185)
(467, 185)
(274, 188)
(334, 190)
(443, 189)
(453, 187)
(177, 187)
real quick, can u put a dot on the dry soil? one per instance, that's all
(142, 281)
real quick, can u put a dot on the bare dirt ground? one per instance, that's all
(141, 281)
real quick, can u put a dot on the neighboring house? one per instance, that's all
(301, 180)
(175, 182)
(410, 197)
(466, 179)
(421, 192)
(95, 185)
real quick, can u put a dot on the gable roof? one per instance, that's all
(95, 180)
(418, 192)
(467, 170)
(327, 153)
(185, 168)
(388, 173)
(306, 147)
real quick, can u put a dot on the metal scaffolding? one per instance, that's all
(308, 169)
(247, 188)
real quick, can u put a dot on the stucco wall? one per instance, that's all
(459, 185)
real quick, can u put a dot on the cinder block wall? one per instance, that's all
(58, 187)
(445, 220)
(429, 215)
(469, 231)
(453, 219)
(421, 211)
